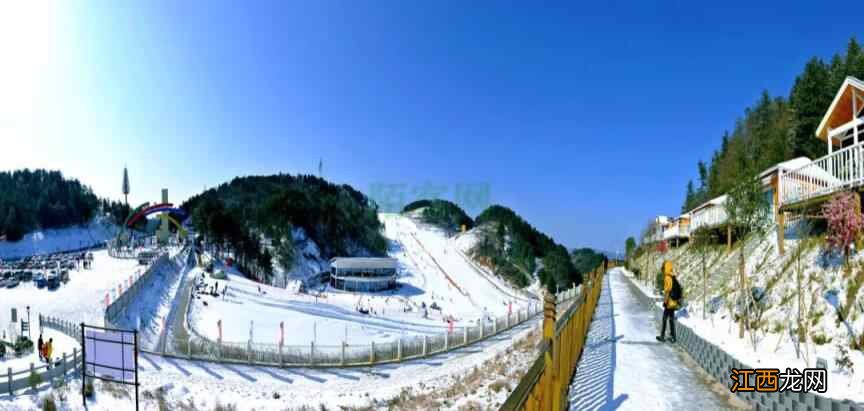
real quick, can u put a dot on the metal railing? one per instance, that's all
(839, 170)
(545, 385)
(68, 328)
(345, 354)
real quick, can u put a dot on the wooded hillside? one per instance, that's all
(776, 128)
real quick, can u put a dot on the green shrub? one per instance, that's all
(34, 380)
(23, 345)
(820, 339)
(658, 281)
(88, 390)
(48, 403)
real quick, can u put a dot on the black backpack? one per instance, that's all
(676, 292)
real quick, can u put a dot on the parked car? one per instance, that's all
(12, 282)
(40, 280)
(52, 280)
(26, 276)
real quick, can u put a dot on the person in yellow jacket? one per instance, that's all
(49, 349)
(669, 304)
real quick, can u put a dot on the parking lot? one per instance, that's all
(45, 271)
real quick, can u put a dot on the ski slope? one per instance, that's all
(432, 270)
(429, 255)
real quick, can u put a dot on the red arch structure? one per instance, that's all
(144, 211)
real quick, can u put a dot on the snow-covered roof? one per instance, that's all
(367, 263)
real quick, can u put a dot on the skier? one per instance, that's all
(671, 301)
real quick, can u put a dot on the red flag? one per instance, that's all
(450, 326)
(107, 303)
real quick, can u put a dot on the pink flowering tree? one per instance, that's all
(844, 221)
(662, 247)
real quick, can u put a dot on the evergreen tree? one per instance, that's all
(629, 247)
(689, 198)
(810, 98)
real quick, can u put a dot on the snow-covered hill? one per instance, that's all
(433, 269)
(58, 240)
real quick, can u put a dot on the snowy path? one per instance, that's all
(623, 366)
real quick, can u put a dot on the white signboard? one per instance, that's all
(110, 354)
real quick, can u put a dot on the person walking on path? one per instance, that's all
(40, 345)
(671, 301)
(49, 348)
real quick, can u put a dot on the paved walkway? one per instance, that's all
(623, 366)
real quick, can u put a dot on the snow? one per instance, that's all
(149, 312)
(624, 367)
(62, 344)
(58, 240)
(433, 268)
(207, 384)
(823, 277)
(81, 299)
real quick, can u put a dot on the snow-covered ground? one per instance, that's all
(624, 367)
(62, 344)
(432, 269)
(81, 299)
(180, 382)
(150, 311)
(58, 240)
(825, 284)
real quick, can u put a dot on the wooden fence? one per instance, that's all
(545, 385)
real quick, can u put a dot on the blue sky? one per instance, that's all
(586, 118)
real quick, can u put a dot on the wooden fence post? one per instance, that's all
(550, 382)
(424, 345)
(11, 394)
(372, 353)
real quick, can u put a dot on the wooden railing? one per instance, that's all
(834, 172)
(545, 385)
(713, 216)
